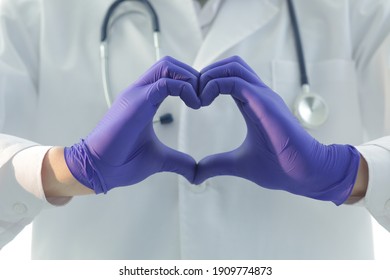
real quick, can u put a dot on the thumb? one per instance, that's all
(216, 165)
(180, 163)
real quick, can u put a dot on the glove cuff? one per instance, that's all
(349, 159)
(81, 165)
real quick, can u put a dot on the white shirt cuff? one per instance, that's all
(28, 165)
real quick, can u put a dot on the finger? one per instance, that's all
(179, 163)
(216, 165)
(232, 85)
(164, 87)
(167, 69)
(182, 65)
(226, 61)
(232, 69)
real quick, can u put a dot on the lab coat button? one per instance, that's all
(19, 208)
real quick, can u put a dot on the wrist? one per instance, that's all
(57, 180)
(360, 187)
(81, 165)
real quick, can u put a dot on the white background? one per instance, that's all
(19, 248)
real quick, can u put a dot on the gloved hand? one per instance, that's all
(123, 149)
(277, 152)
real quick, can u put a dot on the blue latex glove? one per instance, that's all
(123, 149)
(277, 152)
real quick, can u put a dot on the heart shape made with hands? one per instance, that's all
(232, 76)
(276, 153)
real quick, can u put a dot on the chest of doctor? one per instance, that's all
(264, 39)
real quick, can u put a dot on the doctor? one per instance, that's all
(51, 94)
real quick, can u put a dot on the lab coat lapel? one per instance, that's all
(235, 21)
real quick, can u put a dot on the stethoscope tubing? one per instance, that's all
(104, 42)
(298, 44)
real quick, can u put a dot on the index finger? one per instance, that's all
(226, 61)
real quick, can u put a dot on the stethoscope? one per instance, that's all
(163, 119)
(310, 108)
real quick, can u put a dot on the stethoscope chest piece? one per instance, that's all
(311, 109)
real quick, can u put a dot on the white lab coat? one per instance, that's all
(51, 93)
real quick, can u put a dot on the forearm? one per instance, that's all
(56, 177)
(360, 187)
